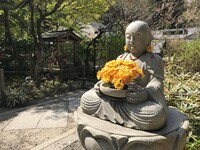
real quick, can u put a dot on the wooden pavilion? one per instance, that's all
(58, 38)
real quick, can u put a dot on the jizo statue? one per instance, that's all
(144, 108)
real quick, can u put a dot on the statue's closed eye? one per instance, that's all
(128, 35)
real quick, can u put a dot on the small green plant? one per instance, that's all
(21, 91)
(193, 142)
(15, 96)
(51, 87)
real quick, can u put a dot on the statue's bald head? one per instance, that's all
(138, 37)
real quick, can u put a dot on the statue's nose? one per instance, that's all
(131, 40)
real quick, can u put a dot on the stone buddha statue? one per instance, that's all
(144, 108)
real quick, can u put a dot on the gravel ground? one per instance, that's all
(75, 146)
(27, 139)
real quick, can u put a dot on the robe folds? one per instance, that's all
(150, 114)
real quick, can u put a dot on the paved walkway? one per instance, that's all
(53, 113)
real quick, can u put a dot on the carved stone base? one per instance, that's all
(97, 134)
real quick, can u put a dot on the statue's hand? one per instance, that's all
(136, 97)
(97, 85)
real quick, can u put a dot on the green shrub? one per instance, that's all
(22, 91)
(51, 87)
(185, 53)
(15, 96)
(182, 90)
(182, 80)
(109, 47)
(190, 55)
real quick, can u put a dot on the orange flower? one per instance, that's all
(119, 73)
(149, 48)
(125, 48)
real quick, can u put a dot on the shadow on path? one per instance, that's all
(55, 105)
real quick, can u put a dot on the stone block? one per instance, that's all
(97, 134)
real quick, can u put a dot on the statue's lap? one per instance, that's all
(146, 116)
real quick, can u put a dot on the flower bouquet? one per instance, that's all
(118, 74)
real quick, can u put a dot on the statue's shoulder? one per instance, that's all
(154, 64)
(151, 57)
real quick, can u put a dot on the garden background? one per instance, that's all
(24, 53)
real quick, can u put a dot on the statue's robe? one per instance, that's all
(150, 114)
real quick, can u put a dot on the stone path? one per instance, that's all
(60, 142)
(55, 113)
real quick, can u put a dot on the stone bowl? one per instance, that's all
(112, 92)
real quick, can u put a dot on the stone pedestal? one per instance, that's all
(97, 134)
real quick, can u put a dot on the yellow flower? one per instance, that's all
(119, 73)
(118, 85)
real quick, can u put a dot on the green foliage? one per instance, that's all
(185, 54)
(32, 18)
(15, 96)
(109, 47)
(51, 87)
(79, 12)
(17, 25)
(21, 91)
(49, 15)
(190, 55)
(1, 12)
(24, 46)
(182, 90)
(193, 142)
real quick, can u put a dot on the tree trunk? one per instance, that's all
(94, 49)
(39, 33)
(88, 51)
(32, 24)
(8, 36)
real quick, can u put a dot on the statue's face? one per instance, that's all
(135, 43)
